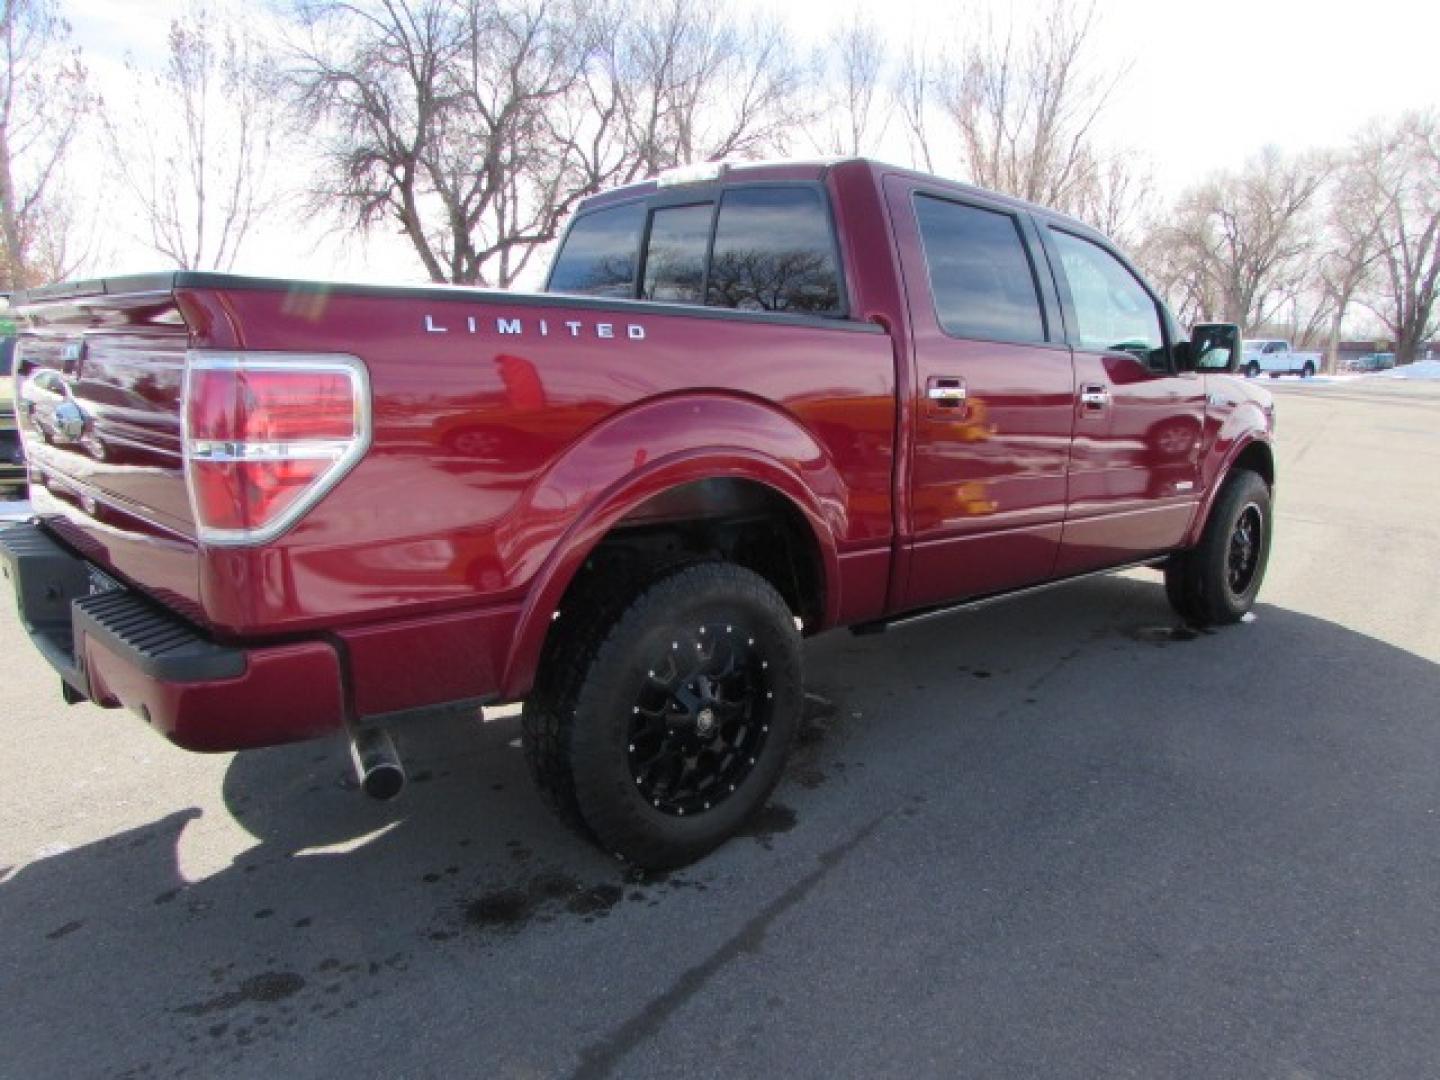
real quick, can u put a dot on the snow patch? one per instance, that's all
(1423, 369)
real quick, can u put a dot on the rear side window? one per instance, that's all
(774, 252)
(675, 257)
(980, 274)
(1113, 311)
(600, 253)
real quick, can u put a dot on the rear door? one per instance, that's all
(992, 398)
(1135, 466)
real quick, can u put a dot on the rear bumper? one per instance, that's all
(117, 648)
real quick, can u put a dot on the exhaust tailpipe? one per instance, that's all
(377, 765)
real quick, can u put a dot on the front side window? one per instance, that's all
(675, 256)
(600, 253)
(774, 252)
(1113, 312)
(980, 275)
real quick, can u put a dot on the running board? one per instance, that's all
(879, 626)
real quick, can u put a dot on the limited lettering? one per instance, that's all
(514, 326)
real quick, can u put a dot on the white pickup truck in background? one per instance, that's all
(1275, 357)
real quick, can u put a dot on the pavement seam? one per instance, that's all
(601, 1057)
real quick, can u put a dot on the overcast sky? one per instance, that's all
(1208, 85)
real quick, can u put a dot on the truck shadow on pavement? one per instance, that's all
(1004, 726)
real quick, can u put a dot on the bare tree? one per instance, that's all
(193, 144)
(1177, 269)
(1348, 267)
(370, 79)
(694, 85)
(44, 99)
(1246, 238)
(1018, 111)
(1398, 169)
(914, 91)
(1114, 193)
(1025, 108)
(477, 125)
(850, 73)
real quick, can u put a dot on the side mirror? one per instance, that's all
(1214, 347)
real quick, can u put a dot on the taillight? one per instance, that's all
(266, 436)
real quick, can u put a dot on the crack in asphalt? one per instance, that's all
(600, 1058)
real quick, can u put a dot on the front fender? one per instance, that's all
(1246, 427)
(641, 453)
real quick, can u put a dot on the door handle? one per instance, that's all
(1094, 397)
(946, 396)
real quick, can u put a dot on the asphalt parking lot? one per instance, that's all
(1055, 837)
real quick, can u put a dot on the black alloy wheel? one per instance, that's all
(701, 720)
(665, 708)
(1243, 558)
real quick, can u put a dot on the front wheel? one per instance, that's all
(1216, 582)
(666, 714)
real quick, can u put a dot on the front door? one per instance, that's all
(992, 396)
(1139, 425)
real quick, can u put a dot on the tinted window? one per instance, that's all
(1112, 308)
(600, 252)
(7, 355)
(979, 273)
(773, 252)
(675, 259)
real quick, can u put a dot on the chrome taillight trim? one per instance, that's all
(306, 450)
(345, 453)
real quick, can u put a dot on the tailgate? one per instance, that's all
(98, 374)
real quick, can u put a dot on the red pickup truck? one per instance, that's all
(754, 403)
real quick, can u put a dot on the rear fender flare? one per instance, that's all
(647, 451)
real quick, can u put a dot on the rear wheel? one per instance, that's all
(667, 711)
(1308, 372)
(1252, 370)
(1216, 582)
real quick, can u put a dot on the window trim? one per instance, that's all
(1043, 300)
(1067, 297)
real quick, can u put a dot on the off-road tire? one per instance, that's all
(577, 722)
(1198, 582)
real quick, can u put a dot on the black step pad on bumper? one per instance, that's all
(154, 640)
(53, 593)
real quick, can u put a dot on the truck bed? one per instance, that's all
(490, 416)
